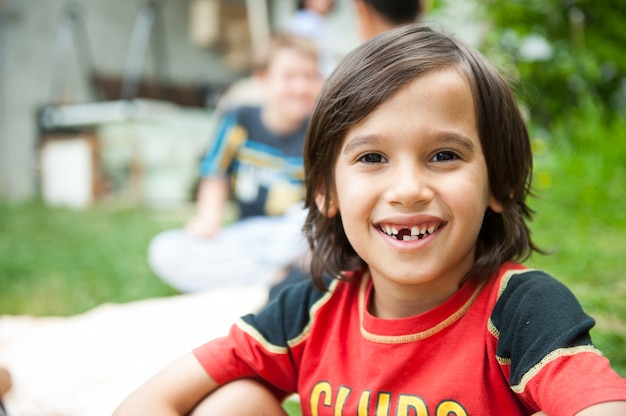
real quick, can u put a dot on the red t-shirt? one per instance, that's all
(512, 346)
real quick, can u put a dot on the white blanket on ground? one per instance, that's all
(84, 365)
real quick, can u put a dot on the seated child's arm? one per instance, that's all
(175, 390)
(211, 202)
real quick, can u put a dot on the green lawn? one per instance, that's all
(61, 262)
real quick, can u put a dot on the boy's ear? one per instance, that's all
(495, 205)
(321, 200)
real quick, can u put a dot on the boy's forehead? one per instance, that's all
(290, 55)
(456, 78)
(439, 99)
(294, 50)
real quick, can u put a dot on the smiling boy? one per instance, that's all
(418, 168)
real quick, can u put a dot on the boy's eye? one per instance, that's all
(371, 158)
(444, 156)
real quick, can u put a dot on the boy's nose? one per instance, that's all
(409, 186)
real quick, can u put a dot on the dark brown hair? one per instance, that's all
(397, 12)
(369, 76)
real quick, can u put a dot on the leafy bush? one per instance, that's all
(565, 52)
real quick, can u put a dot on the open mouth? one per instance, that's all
(416, 232)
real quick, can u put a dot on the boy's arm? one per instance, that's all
(212, 198)
(600, 409)
(175, 390)
(603, 409)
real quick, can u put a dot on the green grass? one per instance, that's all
(56, 261)
(292, 407)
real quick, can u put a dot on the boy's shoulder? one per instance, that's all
(518, 291)
(294, 308)
(536, 316)
(516, 284)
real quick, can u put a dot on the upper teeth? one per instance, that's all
(416, 231)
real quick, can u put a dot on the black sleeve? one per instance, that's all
(288, 315)
(536, 315)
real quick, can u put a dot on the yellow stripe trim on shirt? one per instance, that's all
(255, 334)
(554, 355)
(238, 136)
(276, 349)
(312, 311)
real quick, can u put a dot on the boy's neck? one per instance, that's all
(390, 301)
(276, 122)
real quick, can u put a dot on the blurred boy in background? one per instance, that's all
(256, 160)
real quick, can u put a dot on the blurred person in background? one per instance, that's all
(255, 160)
(377, 16)
(309, 21)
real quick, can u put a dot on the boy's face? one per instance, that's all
(412, 188)
(292, 81)
(321, 7)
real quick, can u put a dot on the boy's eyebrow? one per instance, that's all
(361, 140)
(459, 140)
